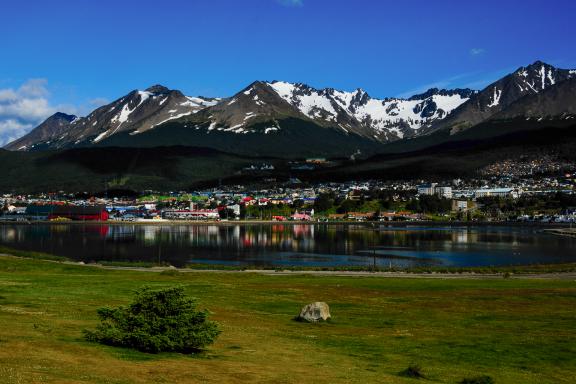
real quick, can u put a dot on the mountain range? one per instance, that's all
(292, 119)
(275, 112)
(263, 108)
(278, 120)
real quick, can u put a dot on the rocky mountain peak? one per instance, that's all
(62, 117)
(537, 65)
(462, 92)
(537, 76)
(359, 97)
(157, 89)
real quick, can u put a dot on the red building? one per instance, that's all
(80, 213)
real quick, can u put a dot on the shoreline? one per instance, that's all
(566, 232)
(471, 273)
(551, 226)
(383, 274)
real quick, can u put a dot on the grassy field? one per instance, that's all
(515, 330)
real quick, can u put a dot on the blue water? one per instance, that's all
(295, 245)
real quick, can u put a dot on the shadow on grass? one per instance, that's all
(127, 354)
(413, 371)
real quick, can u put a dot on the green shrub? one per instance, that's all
(478, 380)
(163, 320)
(413, 371)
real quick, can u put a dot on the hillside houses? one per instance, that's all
(351, 201)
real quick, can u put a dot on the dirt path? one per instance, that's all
(407, 275)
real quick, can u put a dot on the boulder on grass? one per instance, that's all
(314, 312)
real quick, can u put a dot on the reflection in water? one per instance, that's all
(299, 244)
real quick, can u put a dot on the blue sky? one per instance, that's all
(75, 54)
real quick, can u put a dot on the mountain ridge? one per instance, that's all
(293, 119)
(326, 107)
(498, 95)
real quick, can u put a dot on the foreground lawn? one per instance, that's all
(515, 330)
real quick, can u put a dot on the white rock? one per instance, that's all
(315, 312)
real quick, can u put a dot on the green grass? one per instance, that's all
(513, 330)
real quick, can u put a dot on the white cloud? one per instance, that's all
(34, 88)
(12, 129)
(23, 108)
(291, 3)
(477, 51)
(7, 94)
(26, 109)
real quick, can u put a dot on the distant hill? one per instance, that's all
(97, 169)
(462, 155)
(181, 168)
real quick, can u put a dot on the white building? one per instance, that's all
(434, 189)
(462, 205)
(495, 192)
(445, 192)
(188, 214)
(426, 189)
(235, 208)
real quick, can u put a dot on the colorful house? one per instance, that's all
(79, 213)
(301, 217)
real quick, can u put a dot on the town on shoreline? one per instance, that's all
(489, 200)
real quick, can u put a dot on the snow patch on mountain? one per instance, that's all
(541, 77)
(310, 102)
(172, 118)
(199, 102)
(385, 117)
(495, 98)
(98, 138)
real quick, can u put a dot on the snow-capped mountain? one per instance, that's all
(496, 97)
(241, 114)
(553, 103)
(259, 108)
(280, 118)
(385, 120)
(136, 112)
(257, 121)
(350, 112)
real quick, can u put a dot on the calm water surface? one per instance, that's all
(294, 245)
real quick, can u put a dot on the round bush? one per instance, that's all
(163, 320)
